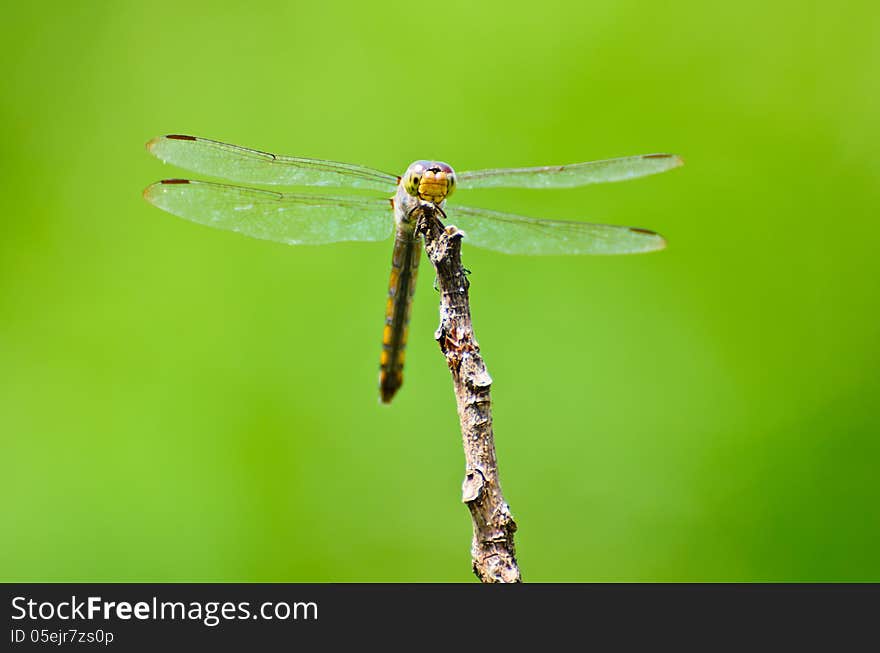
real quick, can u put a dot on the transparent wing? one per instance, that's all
(569, 176)
(289, 218)
(247, 166)
(515, 234)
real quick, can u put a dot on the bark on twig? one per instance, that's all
(492, 550)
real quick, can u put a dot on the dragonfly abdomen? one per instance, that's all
(401, 286)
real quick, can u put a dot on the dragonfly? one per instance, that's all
(311, 218)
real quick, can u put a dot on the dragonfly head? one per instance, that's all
(431, 181)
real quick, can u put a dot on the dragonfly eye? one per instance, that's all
(411, 183)
(450, 183)
(413, 178)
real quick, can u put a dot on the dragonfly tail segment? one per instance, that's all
(401, 286)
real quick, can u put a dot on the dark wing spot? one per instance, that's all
(392, 202)
(643, 231)
(657, 156)
(180, 137)
(174, 181)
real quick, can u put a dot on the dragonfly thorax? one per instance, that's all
(430, 181)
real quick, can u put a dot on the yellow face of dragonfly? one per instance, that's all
(431, 181)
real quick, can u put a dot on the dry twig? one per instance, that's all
(492, 551)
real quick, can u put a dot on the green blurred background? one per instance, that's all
(184, 404)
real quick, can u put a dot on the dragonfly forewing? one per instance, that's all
(571, 175)
(247, 166)
(291, 218)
